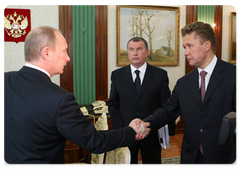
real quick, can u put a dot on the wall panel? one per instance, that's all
(101, 34)
(83, 18)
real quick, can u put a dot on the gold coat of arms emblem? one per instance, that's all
(15, 24)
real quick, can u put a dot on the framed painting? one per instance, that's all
(232, 38)
(159, 26)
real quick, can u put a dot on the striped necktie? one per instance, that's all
(137, 82)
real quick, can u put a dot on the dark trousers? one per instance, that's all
(200, 158)
(152, 158)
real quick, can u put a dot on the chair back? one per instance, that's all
(101, 124)
(118, 156)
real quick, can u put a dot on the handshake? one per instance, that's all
(141, 128)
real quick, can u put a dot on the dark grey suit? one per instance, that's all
(202, 120)
(40, 116)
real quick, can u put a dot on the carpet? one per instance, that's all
(172, 160)
(165, 161)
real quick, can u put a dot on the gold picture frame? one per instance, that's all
(158, 25)
(232, 38)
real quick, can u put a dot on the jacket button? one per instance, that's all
(137, 113)
(201, 130)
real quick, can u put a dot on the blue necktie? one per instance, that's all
(137, 82)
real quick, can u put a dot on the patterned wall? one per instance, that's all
(14, 52)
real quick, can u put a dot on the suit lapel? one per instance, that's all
(148, 78)
(128, 80)
(194, 86)
(215, 79)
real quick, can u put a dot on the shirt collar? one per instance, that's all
(37, 68)
(210, 67)
(142, 69)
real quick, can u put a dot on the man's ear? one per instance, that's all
(147, 52)
(208, 45)
(45, 53)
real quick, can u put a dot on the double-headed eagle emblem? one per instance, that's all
(13, 27)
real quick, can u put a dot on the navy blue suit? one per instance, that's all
(40, 116)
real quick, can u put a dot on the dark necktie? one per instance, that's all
(137, 82)
(203, 74)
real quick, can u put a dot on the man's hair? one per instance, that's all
(136, 39)
(37, 39)
(203, 30)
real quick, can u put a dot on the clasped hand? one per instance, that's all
(141, 128)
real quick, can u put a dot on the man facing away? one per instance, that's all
(39, 115)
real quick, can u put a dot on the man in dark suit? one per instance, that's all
(202, 111)
(127, 103)
(40, 116)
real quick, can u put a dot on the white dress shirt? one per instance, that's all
(142, 70)
(37, 68)
(209, 70)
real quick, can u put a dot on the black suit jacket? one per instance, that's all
(202, 121)
(125, 105)
(40, 116)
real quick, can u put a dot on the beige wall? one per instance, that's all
(225, 30)
(174, 73)
(14, 52)
(48, 15)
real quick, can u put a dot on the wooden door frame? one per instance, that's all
(101, 44)
(191, 16)
(65, 26)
